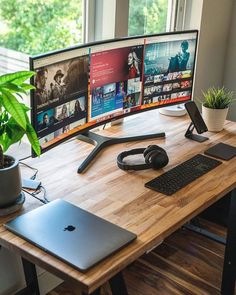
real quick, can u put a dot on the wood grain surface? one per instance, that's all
(121, 197)
(184, 264)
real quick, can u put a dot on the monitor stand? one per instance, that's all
(101, 142)
(173, 111)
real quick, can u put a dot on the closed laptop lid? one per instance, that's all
(72, 234)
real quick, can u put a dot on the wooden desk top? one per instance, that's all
(121, 197)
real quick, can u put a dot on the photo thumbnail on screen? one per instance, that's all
(168, 68)
(46, 119)
(169, 57)
(61, 81)
(114, 74)
(66, 113)
(61, 133)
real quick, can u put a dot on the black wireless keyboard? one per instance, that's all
(173, 180)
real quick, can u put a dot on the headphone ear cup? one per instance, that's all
(149, 149)
(150, 155)
(157, 158)
(160, 161)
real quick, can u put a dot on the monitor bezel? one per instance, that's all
(76, 47)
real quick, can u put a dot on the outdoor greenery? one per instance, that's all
(38, 26)
(14, 121)
(147, 16)
(218, 98)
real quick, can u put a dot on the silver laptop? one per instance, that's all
(72, 234)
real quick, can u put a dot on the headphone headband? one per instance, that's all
(155, 157)
(124, 166)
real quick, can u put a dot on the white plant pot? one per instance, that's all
(214, 118)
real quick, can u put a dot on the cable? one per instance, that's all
(24, 158)
(35, 194)
(40, 189)
(43, 189)
(32, 168)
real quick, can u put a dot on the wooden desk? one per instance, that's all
(121, 197)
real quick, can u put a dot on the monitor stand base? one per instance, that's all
(173, 111)
(101, 142)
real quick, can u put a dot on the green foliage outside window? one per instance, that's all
(38, 26)
(147, 16)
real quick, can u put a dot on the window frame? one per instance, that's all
(97, 27)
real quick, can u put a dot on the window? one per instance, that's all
(38, 26)
(30, 27)
(148, 16)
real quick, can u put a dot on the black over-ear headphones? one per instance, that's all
(155, 157)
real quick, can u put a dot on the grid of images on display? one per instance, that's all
(74, 94)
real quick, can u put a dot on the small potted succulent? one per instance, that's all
(14, 124)
(215, 107)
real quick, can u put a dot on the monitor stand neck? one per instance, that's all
(189, 134)
(101, 142)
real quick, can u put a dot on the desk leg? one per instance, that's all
(229, 270)
(117, 285)
(96, 292)
(31, 279)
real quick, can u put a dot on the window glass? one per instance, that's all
(38, 26)
(147, 16)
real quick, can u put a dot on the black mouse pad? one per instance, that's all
(222, 151)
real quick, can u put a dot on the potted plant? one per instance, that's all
(14, 124)
(215, 107)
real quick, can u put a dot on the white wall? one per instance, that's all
(11, 274)
(214, 25)
(230, 62)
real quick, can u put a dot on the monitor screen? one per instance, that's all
(82, 87)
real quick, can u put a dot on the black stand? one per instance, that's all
(101, 142)
(117, 283)
(196, 227)
(229, 270)
(189, 134)
(32, 287)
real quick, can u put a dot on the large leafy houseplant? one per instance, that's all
(14, 121)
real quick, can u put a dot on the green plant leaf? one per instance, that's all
(5, 142)
(12, 134)
(25, 107)
(33, 139)
(26, 86)
(218, 98)
(14, 121)
(14, 131)
(12, 88)
(9, 132)
(16, 78)
(14, 108)
(2, 130)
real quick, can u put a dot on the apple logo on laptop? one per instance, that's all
(69, 228)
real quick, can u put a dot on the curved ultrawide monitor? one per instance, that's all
(81, 87)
